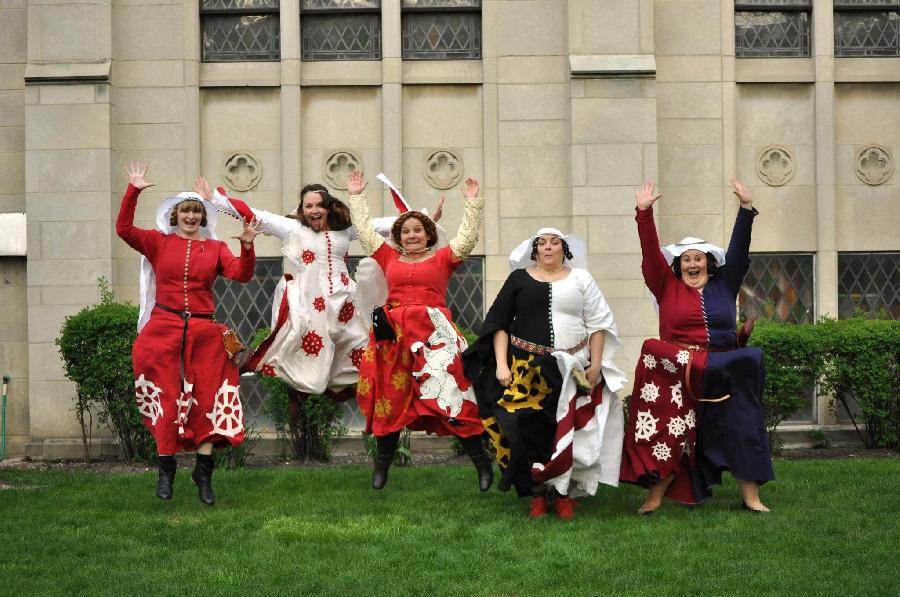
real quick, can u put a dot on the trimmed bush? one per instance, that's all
(95, 345)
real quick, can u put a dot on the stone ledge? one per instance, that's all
(12, 235)
(67, 73)
(611, 66)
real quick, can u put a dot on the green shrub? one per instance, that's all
(793, 362)
(862, 365)
(95, 345)
(315, 421)
(236, 456)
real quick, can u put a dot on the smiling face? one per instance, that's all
(694, 268)
(314, 211)
(190, 218)
(413, 237)
(549, 251)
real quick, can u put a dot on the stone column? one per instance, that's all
(290, 104)
(391, 102)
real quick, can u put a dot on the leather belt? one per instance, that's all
(540, 349)
(692, 348)
(185, 315)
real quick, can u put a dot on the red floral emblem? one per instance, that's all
(319, 303)
(346, 313)
(268, 370)
(312, 343)
(356, 357)
(308, 256)
(345, 279)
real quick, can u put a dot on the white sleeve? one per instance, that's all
(599, 317)
(269, 223)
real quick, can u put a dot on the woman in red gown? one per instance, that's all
(186, 383)
(411, 373)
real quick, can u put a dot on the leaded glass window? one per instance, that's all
(341, 29)
(772, 28)
(246, 308)
(240, 30)
(869, 282)
(779, 286)
(441, 29)
(866, 28)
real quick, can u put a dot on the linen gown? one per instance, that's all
(318, 330)
(672, 427)
(207, 407)
(417, 380)
(544, 428)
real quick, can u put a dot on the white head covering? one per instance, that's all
(521, 255)
(670, 252)
(163, 215)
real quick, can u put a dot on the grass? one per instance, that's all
(834, 531)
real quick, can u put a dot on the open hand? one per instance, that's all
(646, 196)
(471, 189)
(356, 182)
(136, 172)
(438, 211)
(742, 193)
(249, 232)
(201, 187)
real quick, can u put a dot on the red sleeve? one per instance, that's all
(141, 240)
(233, 268)
(653, 265)
(446, 255)
(384, 255)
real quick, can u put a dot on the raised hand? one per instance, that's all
(356, 182)
(471, 189)
(646, 196)
(742, 193)
(439, 210)
(202, 188)
(249, 232)
(136, 172)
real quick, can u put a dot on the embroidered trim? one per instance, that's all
(540, 349)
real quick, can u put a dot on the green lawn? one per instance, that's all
(835, 530)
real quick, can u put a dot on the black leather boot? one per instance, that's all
(202, 477)
(166, 477)
(387, 445)
(475, 450)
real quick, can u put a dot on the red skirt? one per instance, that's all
(417, 380)
(207, 408)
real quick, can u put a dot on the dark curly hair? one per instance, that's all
(534, 247)
(712, 268)
(338, 212)
(427, 223)
(189, 205)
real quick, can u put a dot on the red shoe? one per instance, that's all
(538, 506)
(565, 507)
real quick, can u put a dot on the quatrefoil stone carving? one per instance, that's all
(338, 166)
(243, 171)
(775, 165)
(443, 169)
(874, 164)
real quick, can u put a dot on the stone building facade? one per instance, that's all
(559, 107)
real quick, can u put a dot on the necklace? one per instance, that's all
(549, 271)
(416, 251)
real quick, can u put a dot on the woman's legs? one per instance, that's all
(474, 448)
(166, 478)
(750, 492)
(202, 475)
(386, 445)
(655, 495)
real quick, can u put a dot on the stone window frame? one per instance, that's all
(774, 6)
(208, 13)
(371, 14)
(844, 9)
(439, 10)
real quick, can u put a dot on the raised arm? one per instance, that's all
(737, 259)
(359, 213)
(240, 269)
(139, 239)
(467, 235)
(267, 222)
(653, 265)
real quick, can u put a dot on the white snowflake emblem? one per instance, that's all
(676, 427)
(645, 425)
(227, 413)
(649, 392)
(147, 394)
(649, 361)
(682, 357)
(661, 451)
(184, 403)
(676, 394)
(669, 366)
(690, 419)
